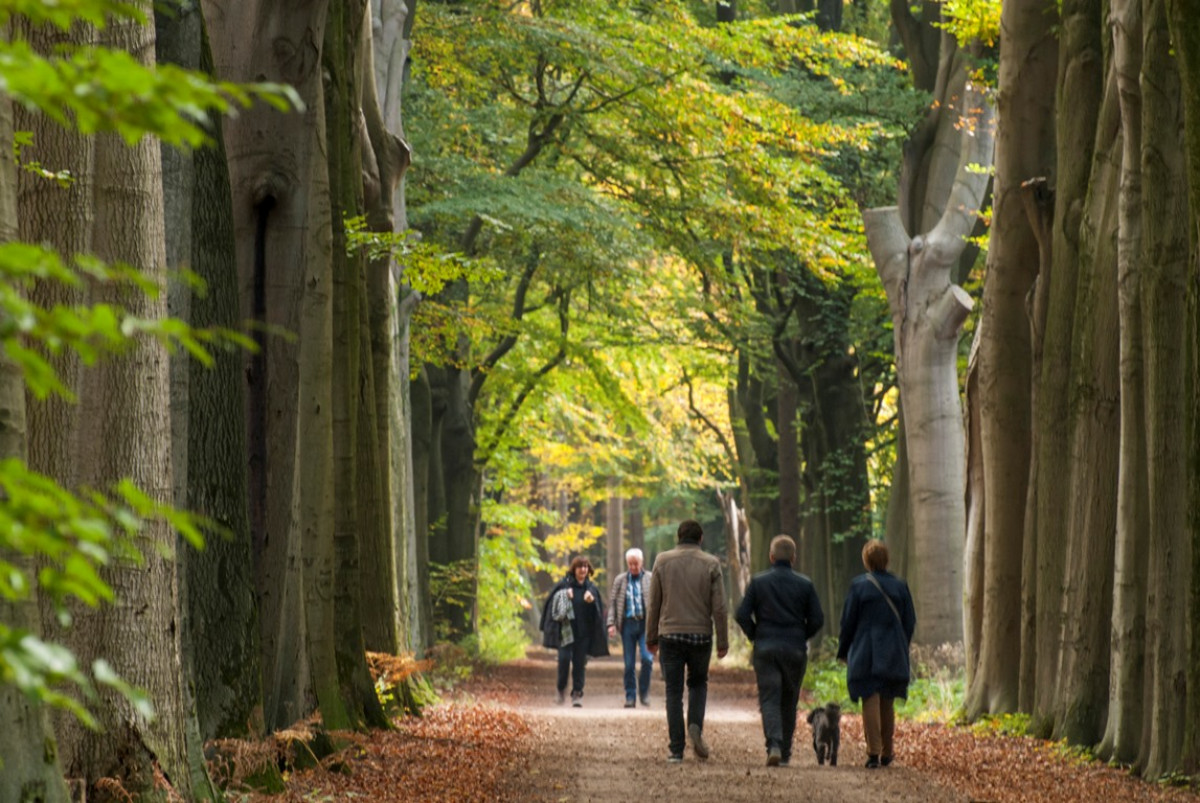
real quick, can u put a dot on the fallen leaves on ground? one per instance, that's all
(992, 768)
(454, 753)
(479, 747)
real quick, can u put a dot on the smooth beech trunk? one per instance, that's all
(928, 311)
(1185, 36)
(1024, 150)
(1081, 84)
(1167, 262)
(219, 620)
(1123, 728)
(282, 224)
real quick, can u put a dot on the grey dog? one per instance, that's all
(826, 731)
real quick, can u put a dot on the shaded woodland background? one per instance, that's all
(517, 281)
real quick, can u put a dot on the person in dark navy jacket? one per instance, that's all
(877, 627)
(779, 614)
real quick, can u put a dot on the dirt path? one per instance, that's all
(605, 752)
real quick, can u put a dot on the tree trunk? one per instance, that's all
(789, 456)
(282, 226)
(614, 533)
(1024, 149)
(390, 24)
(355, 522)
(636, 521)
(759, 457)
(1165, 216)
(219, 625)
(1081, 85)
(1093, 442)
(928, 312)
(31, 770)
(1123, 728)
(1186, 39)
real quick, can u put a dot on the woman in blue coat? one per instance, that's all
(877, 626)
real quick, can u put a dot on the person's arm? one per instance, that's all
(653, 606)
(719, 614)
(816, 616)
(612, 605)
(745, 612)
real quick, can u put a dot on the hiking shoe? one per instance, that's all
(674, 758)
(646, 700)
(774, 757)
(698, 743)
(886, 761)
(561, 697)
(785, 763)
(577, 699)
(872, 762)
(630, 703)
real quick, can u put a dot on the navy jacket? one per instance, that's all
(589, 618)
(873, 643)
(780, 609)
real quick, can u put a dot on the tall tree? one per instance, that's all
(282, 229)
(928, 311)
(1186, 39)
(31, 768)
(220, 620)
(1024, 150)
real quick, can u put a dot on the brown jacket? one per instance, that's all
(687, 595)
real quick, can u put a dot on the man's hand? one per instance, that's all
(721, 653)
(612, 631)
(652, 649)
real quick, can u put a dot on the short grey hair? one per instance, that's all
(634, 552)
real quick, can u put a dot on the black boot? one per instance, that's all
(872, 762)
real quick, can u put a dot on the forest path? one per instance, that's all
(606, 752)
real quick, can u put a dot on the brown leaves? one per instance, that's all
(1008, 769)
(453, 753)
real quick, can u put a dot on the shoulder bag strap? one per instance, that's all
(891, 604)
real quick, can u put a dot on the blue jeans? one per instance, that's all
(779, 671)
(633, 643)
(680, 660)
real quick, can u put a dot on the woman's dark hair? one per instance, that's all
(690, 531)
(577, 561)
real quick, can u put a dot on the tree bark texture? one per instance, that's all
(1166, 260)
(1081, 80)
(1093, 423)
(125, 401)
(1123, 728)
(1186, 39)
(282, 224)
(388, 30)
(357, 525)
(927, 313)
(219, 621)
(31, 770)
(1024, 149)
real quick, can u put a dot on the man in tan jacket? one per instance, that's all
(687, 600)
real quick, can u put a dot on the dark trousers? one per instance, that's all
(682, 661)
(574, 653)
(633, 643)
(779, 672)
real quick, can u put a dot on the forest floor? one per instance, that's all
(501, 737)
